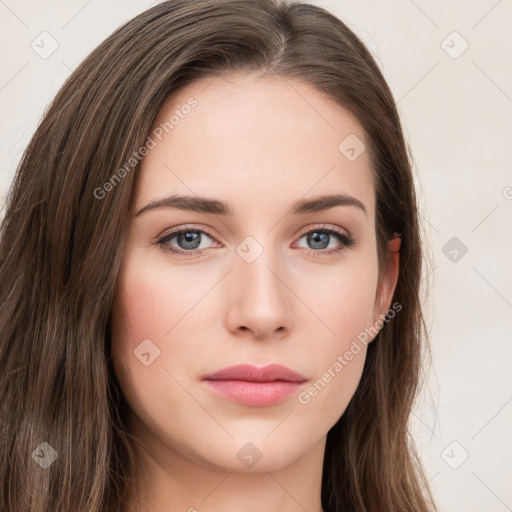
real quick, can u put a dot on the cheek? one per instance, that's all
(158, 323)
(145, 309)
(343, 300)
(150, 301)
(345, 306)
(142, 313)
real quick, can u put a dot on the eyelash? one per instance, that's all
(345, 240)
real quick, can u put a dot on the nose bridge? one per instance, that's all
(258, 266)
(261, 300)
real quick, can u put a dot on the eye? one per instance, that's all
(189, 241)
(321, 237)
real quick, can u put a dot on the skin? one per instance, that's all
(259, 143)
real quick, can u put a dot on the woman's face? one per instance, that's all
(269, 278)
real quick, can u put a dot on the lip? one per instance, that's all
(259, 387)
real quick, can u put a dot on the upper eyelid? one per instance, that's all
(209, 231)
(175, 231)
(327, 227)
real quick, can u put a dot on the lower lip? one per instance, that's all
(257, 394)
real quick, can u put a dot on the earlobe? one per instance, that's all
(395, 243)
(389, 279)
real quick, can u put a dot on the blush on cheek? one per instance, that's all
(128, 327)
(137, 295)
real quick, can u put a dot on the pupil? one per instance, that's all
(190, 239)
(319, 238)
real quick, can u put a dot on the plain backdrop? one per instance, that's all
(448, 65)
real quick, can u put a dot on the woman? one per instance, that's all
(210, 265)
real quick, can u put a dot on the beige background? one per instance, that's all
(457, 112)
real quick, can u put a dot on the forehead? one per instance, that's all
(247, 138)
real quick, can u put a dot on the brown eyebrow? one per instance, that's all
(207, 205)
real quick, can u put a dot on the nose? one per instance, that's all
(259, 299)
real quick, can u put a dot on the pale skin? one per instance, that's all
(259, 143)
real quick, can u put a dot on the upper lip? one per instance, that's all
(250, 373)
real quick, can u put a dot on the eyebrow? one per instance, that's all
(207, 205)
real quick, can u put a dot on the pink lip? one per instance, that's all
(248, 385)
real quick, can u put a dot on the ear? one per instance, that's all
(387, 282)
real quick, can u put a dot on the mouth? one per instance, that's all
(257, 387)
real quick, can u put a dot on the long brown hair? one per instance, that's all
(63, 239)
